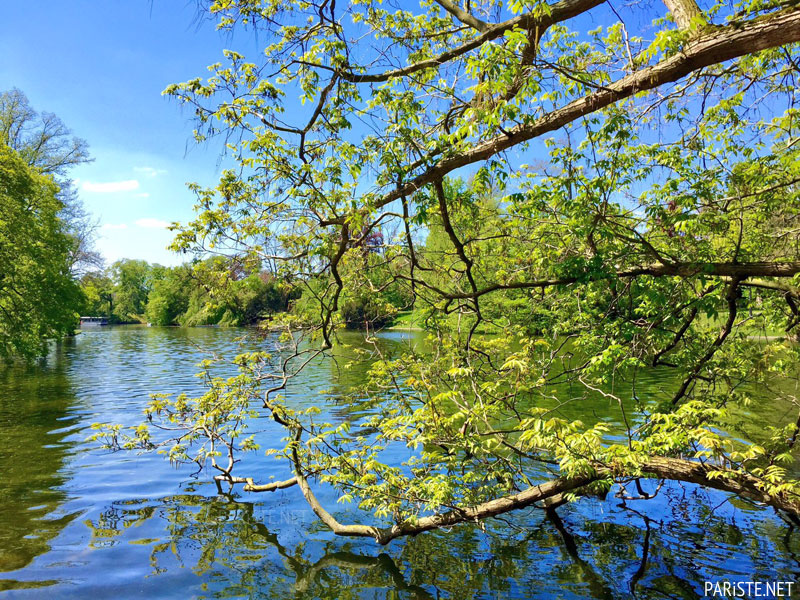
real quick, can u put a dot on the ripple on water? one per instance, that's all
(77, 522)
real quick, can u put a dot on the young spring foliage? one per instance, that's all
(38, 298)
(631, 204)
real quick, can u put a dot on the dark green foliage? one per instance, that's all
(134, 291)
(38, 298)
(133, 281)
(366, 311)
(98, 291)
(224, 292)
(168, 300)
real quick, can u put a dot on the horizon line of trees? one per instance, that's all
(226, 291)
(51, 273)
(135, 291)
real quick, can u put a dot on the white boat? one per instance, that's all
(93, 321)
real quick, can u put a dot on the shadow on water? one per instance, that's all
(36, 403)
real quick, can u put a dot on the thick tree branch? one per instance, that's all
(457, 244)
(686, 269)
(675, 469)
(463, 15)
(269, 487)
(251, 486)
(683, 12)
(741, 484)
(558, 12)
(716, 45)
(773, 285)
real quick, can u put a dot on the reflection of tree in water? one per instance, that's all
(226, 543)
(666, 549)
(35, 403)
(540, 554)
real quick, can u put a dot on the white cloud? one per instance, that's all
(150, 171)
(143, 195)
(152, 223)
(110, 187)
(113, 226)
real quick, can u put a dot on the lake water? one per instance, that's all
(79, 522)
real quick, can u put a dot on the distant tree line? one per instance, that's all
(225, 291)
(133, 291)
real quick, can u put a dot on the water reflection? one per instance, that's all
(226, 540)
(88, 523)
(238, 551)
(36, 417)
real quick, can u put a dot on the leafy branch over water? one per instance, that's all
(657, 229)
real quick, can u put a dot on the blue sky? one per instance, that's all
(101, 67)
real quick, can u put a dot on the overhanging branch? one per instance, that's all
(556, 13)
(686, 269)
(716, 45)
(675, 469)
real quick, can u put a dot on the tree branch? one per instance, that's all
(717, 45)
(463, 15)
(684, 269)
(683, 12)
(558, 12)
(678, 336)
(731, 297)
(676, 469)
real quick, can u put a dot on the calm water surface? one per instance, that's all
(77, 522)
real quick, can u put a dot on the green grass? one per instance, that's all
(407, 319)
(752, 326)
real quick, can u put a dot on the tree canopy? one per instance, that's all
(45, 143)
(41, 139)
(217, 291)
(38, 297)
(632, 204)
(47, 235)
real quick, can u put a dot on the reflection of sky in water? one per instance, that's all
(86, 523)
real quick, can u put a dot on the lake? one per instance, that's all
(80, 522)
